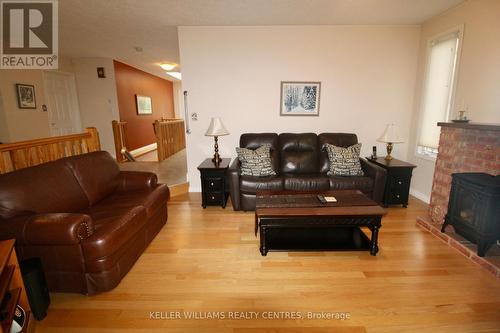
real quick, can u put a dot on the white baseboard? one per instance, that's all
(194, 188)
(143, 150)
(419, 195)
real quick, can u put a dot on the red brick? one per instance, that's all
(471, 161)
(423, 224)
(489, 156)
(486, 265)
(477, 146)
(486, 139)
(492, 167)
(462, 249)
(445, 238)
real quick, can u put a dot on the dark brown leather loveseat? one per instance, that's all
(301, 164)
(88, 221)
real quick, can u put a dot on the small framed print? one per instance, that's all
(144, 105)
(26, 96)
(300, 98)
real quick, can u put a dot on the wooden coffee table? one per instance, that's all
(290, 221)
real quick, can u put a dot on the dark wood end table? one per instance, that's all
(397, 184)
(213, 182)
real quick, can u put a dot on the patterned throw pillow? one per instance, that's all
(344, 161)
(256, 162)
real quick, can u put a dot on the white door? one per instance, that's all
(62, 103)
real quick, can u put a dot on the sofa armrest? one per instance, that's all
(136, 180)
(112, 235)
(233, 175)
(56, 229)
(379, 175)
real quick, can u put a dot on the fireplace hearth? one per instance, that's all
(474, 209)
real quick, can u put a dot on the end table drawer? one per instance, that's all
(213, 198)
(399, 183)
(213, 184)
(396, 197)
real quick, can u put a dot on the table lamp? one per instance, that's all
(390, 136)
(216, 129)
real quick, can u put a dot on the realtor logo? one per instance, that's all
(29, 38)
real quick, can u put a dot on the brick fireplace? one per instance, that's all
(463, 147)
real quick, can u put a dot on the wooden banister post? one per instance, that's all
(93, 142)
(169, 137)
(118, 140)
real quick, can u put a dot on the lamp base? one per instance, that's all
(216, 158)
(389, 151)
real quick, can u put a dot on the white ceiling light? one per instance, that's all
(177, 75)
(168, 66)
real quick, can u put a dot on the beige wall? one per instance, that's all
(478, 80)
(4, 129)
(97, 97)
(21, 124)
(367, 76)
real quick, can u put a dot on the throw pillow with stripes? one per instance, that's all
(256, 162)
(344, 161)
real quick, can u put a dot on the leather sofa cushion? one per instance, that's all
(251, 184)
(362, 183)
(337, 139)
(299, 153)
(95, 184)
(119, 203)
(255, 140)
(307, 182)
(45, 188)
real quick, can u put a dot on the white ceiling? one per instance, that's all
(112, 28)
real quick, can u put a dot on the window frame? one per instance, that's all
(459, 31)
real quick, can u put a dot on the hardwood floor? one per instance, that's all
(207, 261)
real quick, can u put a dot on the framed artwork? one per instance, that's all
(300, 98)
(25, 96)
(143, 105)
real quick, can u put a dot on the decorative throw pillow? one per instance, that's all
(344, 161)
(256, 162)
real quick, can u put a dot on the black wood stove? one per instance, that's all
(474, 208)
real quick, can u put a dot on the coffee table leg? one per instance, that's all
(374, 242)
(263, 248)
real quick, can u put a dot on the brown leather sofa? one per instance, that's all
(88, 221)
(301, 164)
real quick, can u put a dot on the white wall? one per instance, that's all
(478, 80)
(21, 124)
(367, 76)
(178, 99)
(97, 97)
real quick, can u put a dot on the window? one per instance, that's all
(438, 90)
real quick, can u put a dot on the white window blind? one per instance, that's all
(438, 89)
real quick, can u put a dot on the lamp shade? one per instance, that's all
(390, 135)
(216, 128)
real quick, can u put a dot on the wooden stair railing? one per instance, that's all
(23, 154)
(169, 137)
(120, 136)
